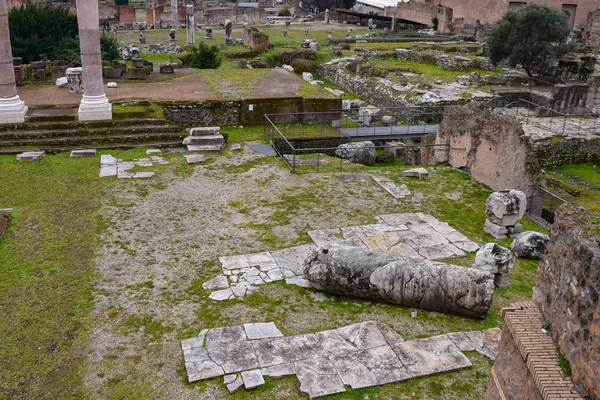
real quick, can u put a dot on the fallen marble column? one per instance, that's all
(391, 278)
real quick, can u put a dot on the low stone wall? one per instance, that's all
(567, 292)
(248, 111)
(203, 113)
(526, 366)
(215, 16)
(566, 152)
(456, 63)
(369, 90)
(4, 217)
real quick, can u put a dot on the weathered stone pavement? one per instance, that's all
(414, 235)
(110, 166)
(358, 355)
(399, 192)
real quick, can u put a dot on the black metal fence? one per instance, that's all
(531, 114)
(309, 142)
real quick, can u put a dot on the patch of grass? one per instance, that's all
(588, 172)
(564, 365)
(47, 273)
(142, 109)
(152, 329)
(232, 83)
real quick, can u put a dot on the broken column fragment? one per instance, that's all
(504, 209)
(391, 278)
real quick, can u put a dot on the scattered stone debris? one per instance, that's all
(195, 158)
(235, 147)
(296, 161)
(360, 355)
(150, 152)
(110, 166)
(112, 85)
(390, 278)
(399, 192)
(496, 260)
(504, 209)
(530, 244)
(31, 156)
(83, 153)
(420, 173)
(357, 152)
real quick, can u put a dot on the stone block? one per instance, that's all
(83, 153)
(31, 156)
(420, 173)
(497, 231)
(166, 68)
(111, 73)
(137, 73)
(252, 379)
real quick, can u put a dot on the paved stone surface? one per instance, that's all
(409, 234)
(359, 355)
(399, 192)
(252, 379)
(262, 330)
(110, 166)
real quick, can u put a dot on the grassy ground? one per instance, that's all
(46, 274)
(159, 241)
(580, 182)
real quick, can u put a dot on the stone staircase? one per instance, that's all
(55, 131)
(208, 139)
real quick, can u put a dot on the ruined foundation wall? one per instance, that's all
(490, 146)
(423, 14)
(370, 91)
(592, 28)
(525, 368)
(215, 16)
(567, 292)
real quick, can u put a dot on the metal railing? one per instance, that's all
(545, 118)
(307, 148)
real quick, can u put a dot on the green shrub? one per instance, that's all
(285, 12)
(68, 49)
(564, 365)
(36, 30)
(109, 47)
(301, 65)
(206, 57)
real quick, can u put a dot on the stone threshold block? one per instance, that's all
(31, 156)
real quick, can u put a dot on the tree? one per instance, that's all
(533, 36)
(36, 30)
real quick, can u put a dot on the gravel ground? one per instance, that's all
(163, 240)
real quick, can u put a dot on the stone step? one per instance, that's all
(115, 146)
(205, 131)
(61, 125)
(210, 148)
(52, 115)
(91, 141)
(125, 130)
(204, 140)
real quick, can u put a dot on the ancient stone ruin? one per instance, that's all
(504, 209)
(411, 282)
(4, 218)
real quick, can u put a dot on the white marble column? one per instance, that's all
(12, 109)
(189, 21)
(174, 15)
(94, 104)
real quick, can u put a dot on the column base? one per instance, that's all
(94, 108)
(12, 110)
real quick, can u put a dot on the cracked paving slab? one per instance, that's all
(359, 355)
(409, 234)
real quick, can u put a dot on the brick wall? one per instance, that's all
(256, 40)
(489, 11)
(592, 28)
(526, 366)
(423, 14)
(567, 292)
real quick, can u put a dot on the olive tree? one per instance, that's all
(533, 35)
